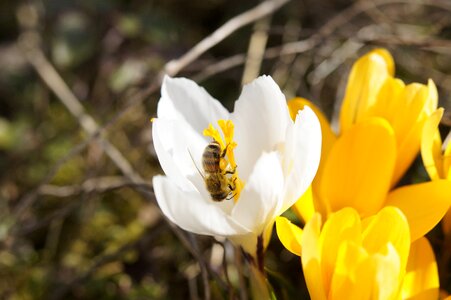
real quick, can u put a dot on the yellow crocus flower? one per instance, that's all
(350, 258)
(381, 125)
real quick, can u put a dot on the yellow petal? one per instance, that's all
(388, 59)
(289, 235)
(328, 136)
(423, 204)
(367, 76)
(375, 276)
(304, 208)
(387, 99)
(344, 280)
(409, 108)
(311, 258)
(388, 226)
(421, 280)
(405, 108)
(341, 226)
(387, 270)
(412, 111)
(431, 145)
(359, 168)
(432, 103)
(407, 151)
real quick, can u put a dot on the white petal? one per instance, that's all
(260, 196)
(248, 242)
(261, 117)
(189, 211)
(301, 156)
(183, 99)
(173, 144)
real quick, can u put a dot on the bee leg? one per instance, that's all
(231, 197)
(232, 185)
(232, 188)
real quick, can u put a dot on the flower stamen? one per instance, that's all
(227, 164)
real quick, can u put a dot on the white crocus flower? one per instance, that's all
(275, 158)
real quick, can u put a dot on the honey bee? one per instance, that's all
(218, 184)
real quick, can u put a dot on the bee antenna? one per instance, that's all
(189, 152)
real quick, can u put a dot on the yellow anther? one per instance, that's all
(227, 128)
(214, 134)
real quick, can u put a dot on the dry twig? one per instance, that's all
(262, 10)
(92, 185)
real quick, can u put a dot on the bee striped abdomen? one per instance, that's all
(216, 181)
(211, 158)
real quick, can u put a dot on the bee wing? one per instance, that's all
(198, 170)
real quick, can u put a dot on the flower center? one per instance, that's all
(227, 164)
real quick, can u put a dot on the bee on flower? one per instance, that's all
(231, 174)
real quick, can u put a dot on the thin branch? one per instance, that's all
(182, 236)
(395, 40)
(271, 53)
(262, 10)
(92, 185)
(239, 265)
(57, 85)
(203, 268)
(256, 50)
(225, 270)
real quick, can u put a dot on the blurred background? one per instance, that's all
(79, 82)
